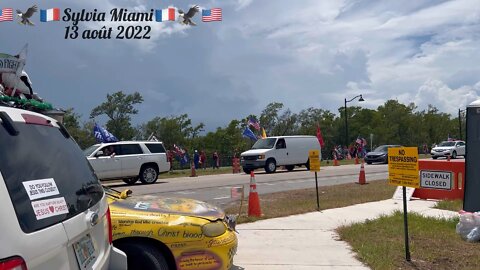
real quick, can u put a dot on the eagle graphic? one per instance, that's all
(186, 18)
(25, 16)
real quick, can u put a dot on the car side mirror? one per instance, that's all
(99, 153)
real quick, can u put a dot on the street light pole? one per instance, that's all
(346, 116)
(460, 123)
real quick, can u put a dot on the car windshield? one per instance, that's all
(447, 144)
(264, 143)
(87, 152)
(382, 148)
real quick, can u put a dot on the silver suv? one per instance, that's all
(54, 212)
(128, 160)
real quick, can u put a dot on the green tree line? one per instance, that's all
(390, 123)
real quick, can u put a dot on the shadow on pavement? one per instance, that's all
(236, 267)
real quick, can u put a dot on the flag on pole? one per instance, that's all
(254, 123)
(264, 134)
(102, 135)
(249, 134)
(320, 137)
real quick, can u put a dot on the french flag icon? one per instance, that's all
(47, 15)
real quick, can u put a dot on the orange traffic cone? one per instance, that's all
(253, 200)
(192, 166)
(361, 176)
(335, 161)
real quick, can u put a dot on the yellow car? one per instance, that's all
(171, 233)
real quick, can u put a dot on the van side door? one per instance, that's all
(132, 158)
(106, 165)
(281, 152)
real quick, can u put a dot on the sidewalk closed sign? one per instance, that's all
(314, 157)
(403, 167)
(436, 179)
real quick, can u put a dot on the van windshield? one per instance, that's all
(264, 143)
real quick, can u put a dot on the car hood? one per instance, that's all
(253, 152)
(167, 205)
(375, 153)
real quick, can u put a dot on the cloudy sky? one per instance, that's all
(304, 53)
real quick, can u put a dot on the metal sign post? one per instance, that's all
(314, 157)
(403, 171)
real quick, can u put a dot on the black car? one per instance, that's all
(380, 154)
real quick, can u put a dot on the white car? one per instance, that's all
(448, 148)
(128, 160)
(54, 212)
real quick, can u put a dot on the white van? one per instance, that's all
(288, 151)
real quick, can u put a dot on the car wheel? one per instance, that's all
(148, 174)
(454, 154)
(247, 171)
(270, 166)
(434, 157)
(290, 167)
(143, 256)
(307, 165)
(130, 181)
(369, 162)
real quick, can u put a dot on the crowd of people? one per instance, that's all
(353, 150)
(199, 159)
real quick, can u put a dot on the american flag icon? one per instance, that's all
(6, 14)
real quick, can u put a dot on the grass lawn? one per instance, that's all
(287, 203)
(433, 243)
(455, 205)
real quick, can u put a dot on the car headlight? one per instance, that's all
(214, 229)
(261, 157)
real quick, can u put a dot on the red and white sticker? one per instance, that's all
(49, 208)
(40, 188)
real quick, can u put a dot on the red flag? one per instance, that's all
(319, 136)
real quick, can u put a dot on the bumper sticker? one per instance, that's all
(41, 188)
(49, 208)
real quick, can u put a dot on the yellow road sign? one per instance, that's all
(314, 157)
(403, 167)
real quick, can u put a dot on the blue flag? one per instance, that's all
(102, 135)
(249, 134)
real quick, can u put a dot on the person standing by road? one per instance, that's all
(215, 160)
(203, 159)
(196, 159)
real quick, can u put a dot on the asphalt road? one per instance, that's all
(216, 189)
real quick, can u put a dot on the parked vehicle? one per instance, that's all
(129, 161)
(271, 152)
(380, 154)
(171, 233)
(54, 211)
(448, 148)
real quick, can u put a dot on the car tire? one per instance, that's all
(307, 165)
(290, 167)
(130, 181)
(369, 162)
(270, 166)
(247, 171)
(434, 157)
(454, 154)
(148, 174)
(143, 256)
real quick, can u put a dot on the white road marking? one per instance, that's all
(221, 198)
(186, 192)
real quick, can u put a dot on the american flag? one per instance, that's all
(211, 15)
(254, 123)
(6, 14)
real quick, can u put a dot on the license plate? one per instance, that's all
(85, 251)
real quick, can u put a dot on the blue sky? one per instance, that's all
(302, 53)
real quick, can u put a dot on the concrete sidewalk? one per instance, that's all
(309, 241)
